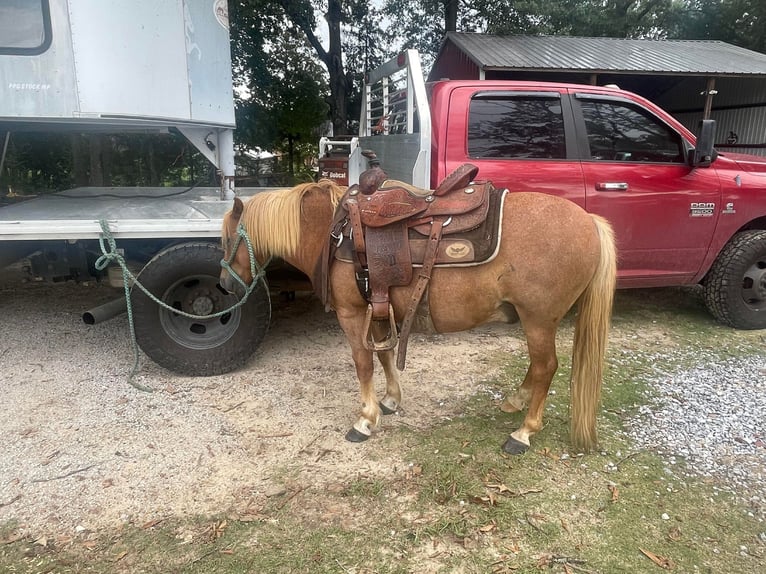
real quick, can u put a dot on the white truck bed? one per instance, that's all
(147, 212)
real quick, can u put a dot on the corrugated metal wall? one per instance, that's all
(739, 109)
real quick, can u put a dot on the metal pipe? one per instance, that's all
(105, 311)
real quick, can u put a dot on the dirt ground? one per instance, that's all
(83, 450)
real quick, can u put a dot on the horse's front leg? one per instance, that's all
(352, 323)
(370, 415)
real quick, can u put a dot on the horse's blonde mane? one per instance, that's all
(273, 219)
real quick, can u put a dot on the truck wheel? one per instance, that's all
(185, 276)
(735, 288)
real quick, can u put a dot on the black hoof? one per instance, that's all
(355, 436)
(513, 446)
(385, 410)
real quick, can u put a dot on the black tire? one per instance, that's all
(185, 276)
(735, 287)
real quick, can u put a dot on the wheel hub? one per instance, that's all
(199, 295)
(202, 305)
(754, 284)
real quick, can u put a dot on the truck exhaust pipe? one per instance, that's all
(105, 311)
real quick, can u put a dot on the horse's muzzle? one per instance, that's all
(232, 287)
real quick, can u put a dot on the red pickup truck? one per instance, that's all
(683, 213)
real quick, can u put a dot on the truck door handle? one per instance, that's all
(611, 186)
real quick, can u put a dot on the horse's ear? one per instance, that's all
(236, 210)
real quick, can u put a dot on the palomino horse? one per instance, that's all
(552, 254)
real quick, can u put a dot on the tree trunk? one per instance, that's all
(331, 58)
(450, 15)
(334, 62)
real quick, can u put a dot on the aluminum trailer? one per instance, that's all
(110, 66)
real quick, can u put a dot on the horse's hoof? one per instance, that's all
(355, 436)
(513, 446)
(385, 410)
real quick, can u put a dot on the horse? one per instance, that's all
(552, 255)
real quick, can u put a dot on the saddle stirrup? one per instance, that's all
(389, 342)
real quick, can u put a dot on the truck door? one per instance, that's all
(663, 211)
(521, 140)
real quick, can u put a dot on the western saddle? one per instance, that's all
(391, 230)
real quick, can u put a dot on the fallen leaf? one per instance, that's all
(660, 561)
(615, 492)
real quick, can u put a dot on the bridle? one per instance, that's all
(261, 269)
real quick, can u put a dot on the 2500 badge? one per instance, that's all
(699, 209)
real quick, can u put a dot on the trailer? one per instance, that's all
(115, 67)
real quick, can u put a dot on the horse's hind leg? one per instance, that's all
(541, 342)
(393, 397)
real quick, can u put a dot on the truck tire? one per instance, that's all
(735, 287)
(185, 276)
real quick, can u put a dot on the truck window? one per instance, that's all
(25, 27)
(618, 131)
(516, 127)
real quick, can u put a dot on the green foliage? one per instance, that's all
(613, 18)
(739, 22)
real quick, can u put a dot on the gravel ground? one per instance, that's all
(713, 417)
(83, 451)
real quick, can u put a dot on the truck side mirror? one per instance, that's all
(704, 154)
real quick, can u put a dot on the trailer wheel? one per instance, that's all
(735, 288)
(185, 276)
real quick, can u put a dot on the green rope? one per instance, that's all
(111, 254)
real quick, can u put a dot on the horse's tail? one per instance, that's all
(590, 337)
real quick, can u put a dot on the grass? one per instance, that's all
(460, 505)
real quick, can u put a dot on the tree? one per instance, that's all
(421, 24)
(739, 22)
(354, 31)
(279, 86)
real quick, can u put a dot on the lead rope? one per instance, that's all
(111, 254)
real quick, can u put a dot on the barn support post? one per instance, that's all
(709, 92)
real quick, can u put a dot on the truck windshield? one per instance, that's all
(24, 26)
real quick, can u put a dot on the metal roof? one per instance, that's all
(615, 55)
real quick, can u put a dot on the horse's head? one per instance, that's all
(235, 252)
